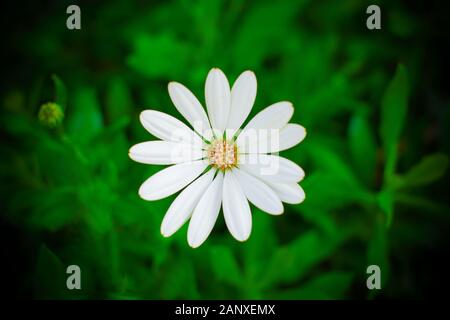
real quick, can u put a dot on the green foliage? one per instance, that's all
(50, 280)
(328, 286)
(378, 250)
(86, 119)
(224, 265)
(292, 261)
(118, 101)
(363, 147)
(428, 170)
(374, 164)
(60, 91)
(150, 56)
(393, 116)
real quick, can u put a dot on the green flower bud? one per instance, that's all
(51, 115)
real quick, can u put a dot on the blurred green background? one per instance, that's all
(374, 103)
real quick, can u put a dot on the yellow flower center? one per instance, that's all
(223, 154)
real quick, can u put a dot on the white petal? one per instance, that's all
(270, 140)
(218, 97)
(170, 180)
(236, 209)
(243, 96)
(275, 116)
(181, 208)
(206, 213)
(189, 106)
(259, 193)
(165, 152)
(271, 168)
(291, 135)
(288, 192)
(168, 128)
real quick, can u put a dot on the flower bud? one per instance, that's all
(51, 115)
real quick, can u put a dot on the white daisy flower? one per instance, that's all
(217, 164)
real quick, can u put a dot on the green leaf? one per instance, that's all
(96, 200)
(256, 249)
(321, 217)
(118, 100)
(362, 147)
(60, 92)
(393, 115)
(224, 265)
(50, 210)
(428, 170)
(386, 203)
(329, 161)
(331, 285)
(150, 54)
(21, 126)
(332, 171)
(85, 120)
(378, 250)
(292, 261)
(253, 43)
(339, 192)
(179, 281)
(328, 100)
(50, 278)
(427, 207)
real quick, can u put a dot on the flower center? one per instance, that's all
(222, 154)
